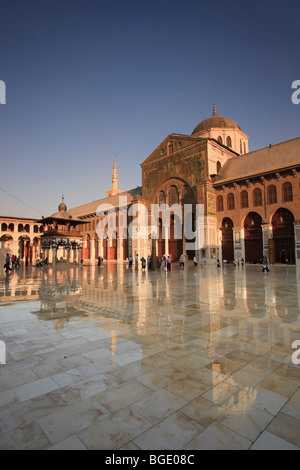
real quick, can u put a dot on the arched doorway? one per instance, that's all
(25, 248)
(6, 246)
(227, 239)
(175, 243)
(253, 238)
(161, 241)
(283, 236)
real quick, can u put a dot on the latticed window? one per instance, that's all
(228, 141)
(257, 197)
(230, 202)
(220, 205)
(244, 200)
(272, 194)
(173, 196)
(287, 192)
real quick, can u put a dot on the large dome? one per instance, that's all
(215, 121)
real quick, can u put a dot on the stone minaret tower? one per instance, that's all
(114, 190)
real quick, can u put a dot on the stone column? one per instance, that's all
(268, 242)
(54, 254)
(120, 250)
(297, 241)
(238, 243)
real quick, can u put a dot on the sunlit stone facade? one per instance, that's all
(251, 201)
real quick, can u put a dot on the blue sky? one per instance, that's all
(89, 79)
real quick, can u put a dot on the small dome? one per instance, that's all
(62, 206)
(215, 121)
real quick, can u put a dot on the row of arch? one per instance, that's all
(257, 199)
(281, 246)
(25, 245)
(21, 228)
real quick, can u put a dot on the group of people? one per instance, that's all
(164, 263)
(39, 263)
(202, 263)
(13, 260)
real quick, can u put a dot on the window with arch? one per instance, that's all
(230, 202)
(257, 197)
(228, 141)
(20, 228)
(173, 196)
(220, 139)
(220, 204)
(11, 227)
(4, 227)
(41, 229)
(241, 146)
(272, 194)
(244, 200)
(35, 229)
(27, 228)
(287, 192)
(219, 166)
(161, 198)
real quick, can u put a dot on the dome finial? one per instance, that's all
(214, 110)
(62, 206)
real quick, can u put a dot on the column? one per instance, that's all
(54, 254)
(238, 243)
(297, 242)
(120, 250)
(268, 243)
(68, 254)
(166, 241)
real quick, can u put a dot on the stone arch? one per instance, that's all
(227, 239)
(283, 236)
(6, 246)
(253, 237)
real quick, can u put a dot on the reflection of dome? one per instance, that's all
(62, 206)
(215, 121)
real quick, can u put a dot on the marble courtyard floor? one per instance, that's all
(108, 358)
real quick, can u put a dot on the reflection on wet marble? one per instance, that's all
(112, 358)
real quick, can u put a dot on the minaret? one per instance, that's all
(214, 110)
(115, 178)
(114, 190)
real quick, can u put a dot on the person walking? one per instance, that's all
(265, 264)
(130, 261)
(181, 262)
(169, 261)
(163, 263)
(143, 261)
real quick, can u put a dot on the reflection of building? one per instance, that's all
(251, 200)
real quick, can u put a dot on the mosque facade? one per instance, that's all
(250, 201)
